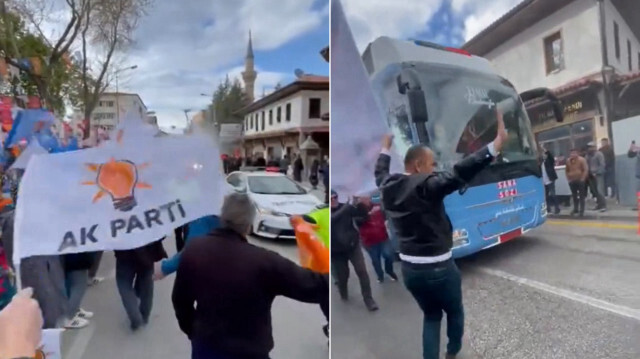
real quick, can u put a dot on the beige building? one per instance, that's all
(112, 107)
(586, 51)
(282, 121)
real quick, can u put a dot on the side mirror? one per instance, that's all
(543, 92)
(409, 84)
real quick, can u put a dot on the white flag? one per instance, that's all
(33, 149)
(116, 197)
(50, 347)
(357, 126)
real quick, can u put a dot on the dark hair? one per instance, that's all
(414, 153)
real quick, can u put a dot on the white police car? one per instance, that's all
(276, 198)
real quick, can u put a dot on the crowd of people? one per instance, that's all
(239, 326)
(587, 170)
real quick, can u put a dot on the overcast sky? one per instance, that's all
(185, 48)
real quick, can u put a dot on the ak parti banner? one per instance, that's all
(119, 196)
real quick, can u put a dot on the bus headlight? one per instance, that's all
(460, 238)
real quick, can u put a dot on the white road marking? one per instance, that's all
(81, 342)
(577, 297)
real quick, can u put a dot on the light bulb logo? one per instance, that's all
(119, 179)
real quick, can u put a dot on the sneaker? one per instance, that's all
(84, 314)
(380, 280)
(393, 276)
(603, 209)
(76, 323)
(95, 280)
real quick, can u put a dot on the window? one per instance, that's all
(279, 114)
(616, 36)
(553, 53)
(251, 119)
(287, 111)
(314, 108)
(271, 116)
(629, 57)
(109, 103)
(262, 123)
(263, 115)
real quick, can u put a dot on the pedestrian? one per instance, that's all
(414, 202)
(76, 271)
(595, 159)
(260, 162)
(313, 174)
(633, 153)
(610, 167)
(375, 240)
(577, 172)
(324, 170)
(42, 273)
(346, 247)
(134, 278)
(298, 167)
(284, 164)
(234, 283)
(549, 176)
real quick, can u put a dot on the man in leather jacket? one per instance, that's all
(413, 202)
(346, 247)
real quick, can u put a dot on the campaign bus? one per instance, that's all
(447, 99)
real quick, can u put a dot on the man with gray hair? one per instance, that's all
(234, 284)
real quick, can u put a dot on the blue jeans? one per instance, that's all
(136, 291)
(378, 252)
(200, 350)
(76, 283)
(437, 288)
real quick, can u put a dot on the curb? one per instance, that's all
(595, 217)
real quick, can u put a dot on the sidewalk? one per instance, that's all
(615, 212)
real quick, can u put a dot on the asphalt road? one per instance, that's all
(567, 290)
(297, 327)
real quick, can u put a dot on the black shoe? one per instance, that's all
(371, 305)
(450, 356)
(380, 280)
(557, 211)
(581, 214)
(574, 212)
(344, 293)
(135, 326)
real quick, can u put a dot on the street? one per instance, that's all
(297, 327)
(566, 290)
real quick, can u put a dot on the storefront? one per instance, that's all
(582, 123)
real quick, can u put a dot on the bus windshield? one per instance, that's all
(461, 106)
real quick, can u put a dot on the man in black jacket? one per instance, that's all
(413, 202)
(549, 176)
(234, 283)
(346, 247)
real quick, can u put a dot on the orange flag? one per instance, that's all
(313, 253)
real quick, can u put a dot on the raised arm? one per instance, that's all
(384, 160)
